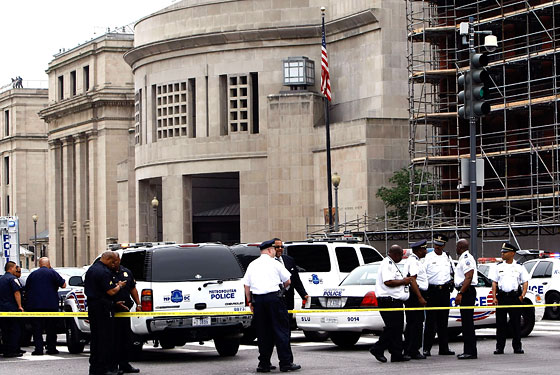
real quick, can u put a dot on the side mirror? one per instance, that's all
(76, 281)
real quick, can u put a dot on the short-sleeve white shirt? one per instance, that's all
(509, 276)
(413, 267)
(466, 263)
(438, 268)
(264, 275)
(388, 270)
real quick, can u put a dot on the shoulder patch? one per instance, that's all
(390, 262)
(468, 263)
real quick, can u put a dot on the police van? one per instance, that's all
(204, 279)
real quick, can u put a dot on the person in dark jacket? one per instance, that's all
(291, 266)
(10, 301)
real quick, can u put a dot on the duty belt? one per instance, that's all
(439, 287)
(513, 293)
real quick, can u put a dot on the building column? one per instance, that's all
(81, 197)
(92, 246)
(172, 203)
(68, 201)
(54, 202)
(187, 209)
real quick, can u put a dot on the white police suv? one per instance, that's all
(545, 281)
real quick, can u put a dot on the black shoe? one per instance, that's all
(13, 355)
(427, 353)
(467, 356)
(400, 358)
(35, 352)
(111, 372)
(52, 351)
(128, 369)
(417, 356)
(290, 367)
(263, 368)
(447, 352)
(22, 351)
(519, 351)
(379, 356)
(499, 351)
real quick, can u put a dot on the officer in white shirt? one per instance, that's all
(466, 278)
(439, 269)
(391, 289)
(510, 281)
(264, 281)
(419, 286)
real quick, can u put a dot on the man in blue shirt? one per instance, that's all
(10, 301)
(41, 292)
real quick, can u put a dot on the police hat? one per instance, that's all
(506, 246)
(421, 243)
(440, 239)
(266, 244)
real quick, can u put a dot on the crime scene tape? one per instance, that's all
(69, 314)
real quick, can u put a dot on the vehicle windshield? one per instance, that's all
(365, 275)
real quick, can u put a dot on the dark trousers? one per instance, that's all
(11, 334)
(391, 337)
(467, 322)
(123, 341)
(273, 328)
(414, 326)
(501, 321)
(102, 345)
(43, 324)
(437, 319)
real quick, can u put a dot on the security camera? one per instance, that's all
(490, 43)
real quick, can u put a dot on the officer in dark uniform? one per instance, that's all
(10, 301)
(100, 286)
(124, 300)
(295, 280)
(510, 281)
(41, 294)
(263, 281)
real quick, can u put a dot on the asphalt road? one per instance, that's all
(541, 357)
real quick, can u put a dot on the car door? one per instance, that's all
(541, 272)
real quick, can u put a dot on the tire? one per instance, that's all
(226, 347)
(316, 335)
(74, 338)
(552, 312)
(166, 343)
(527, 320)
(345, 340)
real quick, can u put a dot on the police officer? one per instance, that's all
(466, 278)
(510, 281)
(41, 294)
(295, 280)
(100, 286)
(391, 290)
(439, 269)
(10, 301)
(263, 282)
(415, 269)
(124, 301)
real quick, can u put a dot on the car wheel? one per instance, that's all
(552, 312)
(74, 338)
(316, 335)
(166, 343)
(527, 320)
(226, 347)
(345, 340)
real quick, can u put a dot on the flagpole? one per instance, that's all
(328, 138)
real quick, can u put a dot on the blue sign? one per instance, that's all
(315, 279)
(176, 296)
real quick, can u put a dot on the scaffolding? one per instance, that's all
(518, 140)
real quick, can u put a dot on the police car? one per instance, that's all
(545, 281)
(205, 279)
(357, 292)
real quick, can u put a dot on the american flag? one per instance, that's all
(325, 77)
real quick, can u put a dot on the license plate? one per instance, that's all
(329, 320)
(334, 303)
(201, 322)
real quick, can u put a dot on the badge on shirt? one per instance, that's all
(125, 274)
(110, 283)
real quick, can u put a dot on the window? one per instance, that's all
(310, 258)
(73, 83)
(6, 122)
(175, 112)
(363, 276)
(239, 103)
(138, 117)
(347, 258)
(370, 255)
(60, 87)
(529, 266)
(7, 170)
(543, 269)
(135, 261)
(86, 78)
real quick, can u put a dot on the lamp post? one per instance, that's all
(34, 217)
(155, 204)
(335, 181)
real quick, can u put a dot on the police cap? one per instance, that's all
(506, 246)
(421, 243)
(266, 244)
(440, 239)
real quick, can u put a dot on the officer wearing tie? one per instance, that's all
(466, 278)
(295, 280)
(419, 286)
(391, 289)
(509, 286)
(439, 270)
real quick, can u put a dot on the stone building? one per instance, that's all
(23, 155)
(232, 154)
(90, 111)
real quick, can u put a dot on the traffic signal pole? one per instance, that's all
(472, 143)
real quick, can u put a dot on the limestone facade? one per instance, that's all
(23, 156)
(90, 111)
(210, 99)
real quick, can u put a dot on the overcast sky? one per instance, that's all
(32, 31)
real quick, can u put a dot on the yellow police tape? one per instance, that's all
(69, 314)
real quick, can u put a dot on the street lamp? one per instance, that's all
(34, 217)
(335, 181)
(155, 204)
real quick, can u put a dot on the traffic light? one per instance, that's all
(462, 98)
(478, 79)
